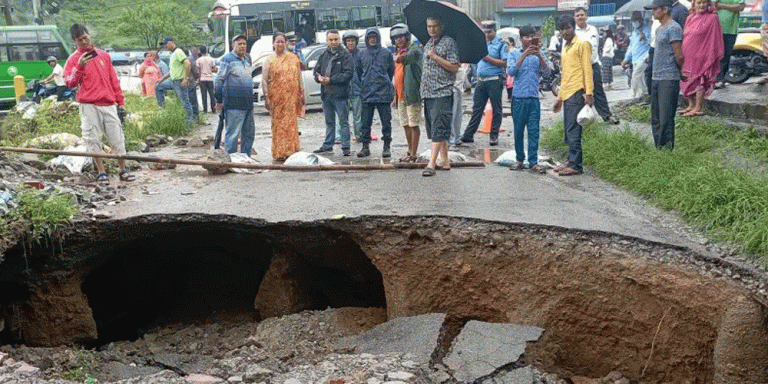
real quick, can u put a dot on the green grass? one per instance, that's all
(85, 363)
(170, 121)
(42, 213)
(693, 179)
(640, 113)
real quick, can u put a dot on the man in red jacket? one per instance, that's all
(100, 97)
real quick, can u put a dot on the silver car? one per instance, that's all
(311, 87)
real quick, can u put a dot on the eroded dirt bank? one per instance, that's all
(605, 302)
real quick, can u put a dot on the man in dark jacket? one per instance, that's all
(376, 67)
(334, 71)
(350, 42)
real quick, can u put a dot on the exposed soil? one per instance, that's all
(607, 303)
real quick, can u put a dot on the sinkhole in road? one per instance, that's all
(606, 302)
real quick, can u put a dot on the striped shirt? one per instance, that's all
(437, 81)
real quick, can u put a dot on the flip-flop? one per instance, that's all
(693, 114)
(102, 178)
(683, 111)
(428, 172)
(442, 167)
(125, 176)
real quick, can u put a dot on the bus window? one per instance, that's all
(46, 37)
(396, 15)
(55, 50)
(3, 38)
(326, 20)
(363, 17)
(24, 52)
(3, 53)
(342, 19)
(21, 37)
(271, 23)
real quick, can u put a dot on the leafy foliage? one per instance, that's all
(547, 30)
(44, 214)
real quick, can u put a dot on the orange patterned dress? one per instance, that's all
(285, 92)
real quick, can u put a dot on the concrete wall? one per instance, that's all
(520, 17)
(481, 9)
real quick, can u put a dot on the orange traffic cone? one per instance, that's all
(488, 119)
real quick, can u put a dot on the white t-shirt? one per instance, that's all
(58, 75)
(654, 26)
(608, 47)
(589, 34)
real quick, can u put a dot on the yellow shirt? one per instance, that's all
(577, 69)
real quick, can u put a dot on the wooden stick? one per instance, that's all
(279, 167)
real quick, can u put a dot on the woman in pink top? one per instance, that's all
(149, 74)
(207, 68)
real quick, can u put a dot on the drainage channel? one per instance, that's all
(606, 303)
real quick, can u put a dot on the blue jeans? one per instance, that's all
(485, 90)
(526, 111)
(385, 115)
(183, 95)
(239, 123)
(331, 109)
(572, 129)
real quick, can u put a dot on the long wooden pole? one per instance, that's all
(279, 167)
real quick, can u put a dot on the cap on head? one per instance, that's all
(51, 58)
(290, 36)
(239, 37)
(166, 40)
(399, 30)
(350, 35)
(659, 3)
(489, 25)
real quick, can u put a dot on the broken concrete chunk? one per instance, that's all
(26, 370)
(415, 334)
(400, 375)
(482, 348)
(202, 379)
(517, 376)
(255, 373)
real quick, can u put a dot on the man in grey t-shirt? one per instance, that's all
(666, 75)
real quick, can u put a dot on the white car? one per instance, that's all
(311, 87)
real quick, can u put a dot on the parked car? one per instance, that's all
(311, 87)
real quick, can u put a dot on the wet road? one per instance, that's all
(493, 192)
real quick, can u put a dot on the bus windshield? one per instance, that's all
(258, 18)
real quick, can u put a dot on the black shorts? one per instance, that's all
(438, 114)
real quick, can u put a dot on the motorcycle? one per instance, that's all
(747, 59)
(41, 91)
(552, 82)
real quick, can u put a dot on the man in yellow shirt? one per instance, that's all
(576, 89)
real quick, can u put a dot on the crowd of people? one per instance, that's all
(679, 52)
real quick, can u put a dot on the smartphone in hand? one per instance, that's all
(90, 54)
(535, 41)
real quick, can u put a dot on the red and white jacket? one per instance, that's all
(98, 81)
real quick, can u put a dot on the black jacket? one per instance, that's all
(338, 67)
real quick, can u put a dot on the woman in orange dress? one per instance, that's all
(149, 74)
(283, 97)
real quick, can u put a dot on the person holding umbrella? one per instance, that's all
(441, 62)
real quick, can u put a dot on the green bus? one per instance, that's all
(23, 50)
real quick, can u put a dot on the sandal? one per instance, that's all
(538, 169)
(516, 166)
(428, 172)
(406, 159)
(568, 171)
(693, 114)
(443, 167)
(125, 176)
(102, 178)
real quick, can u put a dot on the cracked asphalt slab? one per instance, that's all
(490, 193)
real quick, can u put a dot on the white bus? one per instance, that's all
(261, 18)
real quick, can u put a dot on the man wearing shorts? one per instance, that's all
(407, 78)
(441, 62)
(100, 98)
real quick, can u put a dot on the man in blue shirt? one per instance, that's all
(527, 66)
(490, 76)
(637, 52)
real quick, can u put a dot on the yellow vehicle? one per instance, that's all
(747, 59)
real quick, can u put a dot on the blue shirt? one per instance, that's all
(233, 85)
(527, 75)
(765, 14)
(498, 50)
(638, 48)
(163, 67)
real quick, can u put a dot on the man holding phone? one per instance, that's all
(100, 97)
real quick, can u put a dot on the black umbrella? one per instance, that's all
(457, 24)
(632, 6)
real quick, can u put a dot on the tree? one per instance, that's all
(150, 23)
(548, 30)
